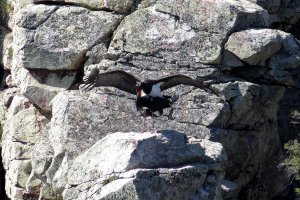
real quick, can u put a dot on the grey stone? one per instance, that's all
(119, 6)
(254, 45)
(20, 133)
(96, 54)
(120, 152)
(271, 5)
(31, 34)
(134, 165)
(42, 154)
(40, 87)
(174, 34)
(6, 101)
(288, 57)
(18, 4)
(160, 38)
(230, 60)
(285, 13)
(7, 51)
(74, 127)
(279, 77)
(38, 50)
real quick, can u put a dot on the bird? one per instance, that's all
(148, 92)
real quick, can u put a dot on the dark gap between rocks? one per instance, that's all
(64, 3)
(1, 76)
(41, 74)
(79, 73)
(4, 7)
(2, 175)
(294, 29)
(53, 2)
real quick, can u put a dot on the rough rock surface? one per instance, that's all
(263, 44)
(131, 165)
(22, 128)
(176, 35)
(119, 6)
(35, 49)
(69, 144)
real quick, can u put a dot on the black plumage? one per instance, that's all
(118, 79)
(148, 92)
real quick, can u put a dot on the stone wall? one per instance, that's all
(60, 142)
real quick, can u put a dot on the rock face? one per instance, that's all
(177, 35)
(263, 44)
(34, 46)
(127, 162)
(59, 142)
(51, 53)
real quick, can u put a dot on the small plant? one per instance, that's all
(10, 52)
(4, 10)
(3, 7)
(293, 161)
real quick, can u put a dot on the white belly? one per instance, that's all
(143, 93)
(155, 92)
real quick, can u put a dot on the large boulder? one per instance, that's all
(36, 49)
(41, 86)
(39, 57)
(166, 30)
(141, 166)
(275, 52)
(254, 45)
(288, 57)
(79, 120)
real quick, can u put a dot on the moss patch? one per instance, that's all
(293, 160)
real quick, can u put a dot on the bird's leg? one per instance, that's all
(144, 129)
(153, 128)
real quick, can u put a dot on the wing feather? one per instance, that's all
(119, 79)
(178, 79)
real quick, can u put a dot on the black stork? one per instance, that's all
(148, 92)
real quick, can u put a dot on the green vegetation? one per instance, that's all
(293, 161)
(4, 10)
(10, 52)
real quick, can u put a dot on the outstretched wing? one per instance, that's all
(178, 79)
(119, 79)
